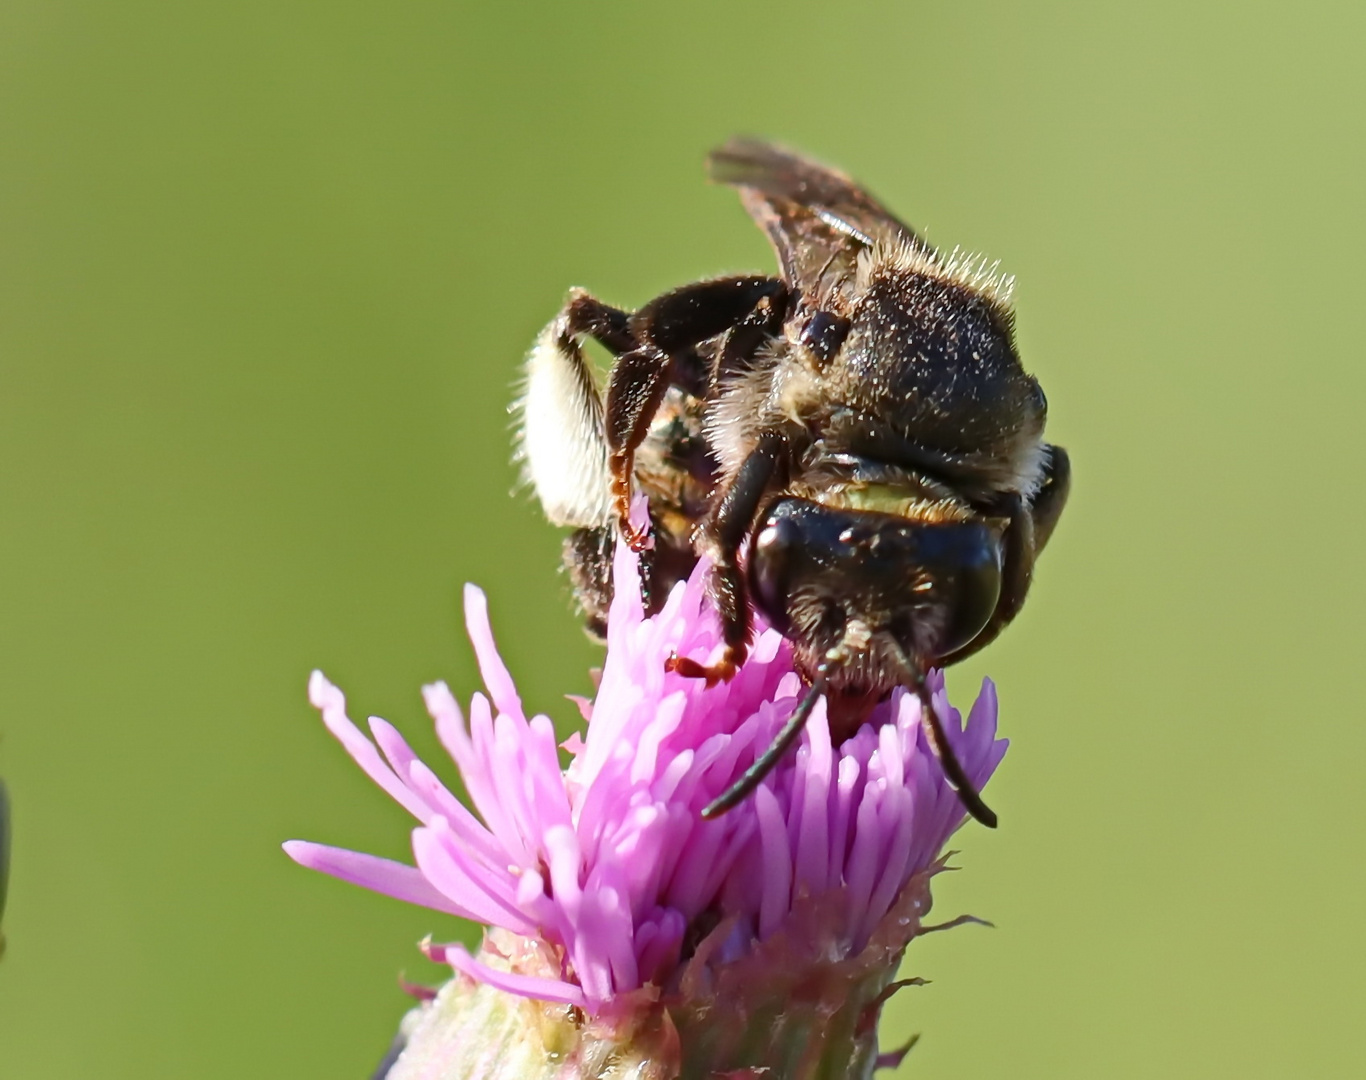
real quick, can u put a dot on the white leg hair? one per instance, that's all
(561, 439)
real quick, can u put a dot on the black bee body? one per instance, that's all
(870, 439)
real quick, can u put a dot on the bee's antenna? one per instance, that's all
(934, 731)
(953, 771)
(764, 763)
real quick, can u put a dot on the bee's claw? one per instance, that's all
(722, 671)
(637, 540)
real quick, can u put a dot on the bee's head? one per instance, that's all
(870, 594)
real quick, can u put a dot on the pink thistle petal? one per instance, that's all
(484, 779)
(450, 729)
(497, 678)
(527, 986)
(547, 792)
(565, 864)
(724, 865)
(889, 755)
(668, 716)
(463, 881)
(659, 941)
(777, 862)
(894, 871)
(849, 779)
(640, 849)
(331, 702)
(687, 889)
(813, 814)
(391, 744)
(592, 969)
(460, 744)
(470, 830)
(395, 879)
(861, 869)
(672, 776)
(533, 899)
(607, 928)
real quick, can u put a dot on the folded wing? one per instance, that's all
(817, 218)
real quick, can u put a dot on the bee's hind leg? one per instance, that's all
(562, 445)
(610, 327)
(587, 557)
(561, 439)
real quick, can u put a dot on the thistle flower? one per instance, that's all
(627, 932)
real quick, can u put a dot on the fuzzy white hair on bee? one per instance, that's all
(561, 443)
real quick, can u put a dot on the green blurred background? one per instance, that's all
(268, 272)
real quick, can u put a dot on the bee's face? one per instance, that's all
(871, 590)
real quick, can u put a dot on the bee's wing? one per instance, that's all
(561, 442)
(817, 219)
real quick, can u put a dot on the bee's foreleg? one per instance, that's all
(723, 533)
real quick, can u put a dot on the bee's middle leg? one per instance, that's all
(667, 331)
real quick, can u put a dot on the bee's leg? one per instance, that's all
(1052, 496)
(764, 763)
(564, 447)
(727, 525)
(587, 556)
(635, 390)
(610, 327)
(562, 442)
(953, 770)
(737, 353)
(668, 329)
(1028, 530)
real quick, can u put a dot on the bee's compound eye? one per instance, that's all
(770, 567)
(823, 335)
(965, 565)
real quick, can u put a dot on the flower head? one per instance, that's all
(608, 884)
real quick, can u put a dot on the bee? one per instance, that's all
(852, 443)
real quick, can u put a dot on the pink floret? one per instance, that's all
(609, 863)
